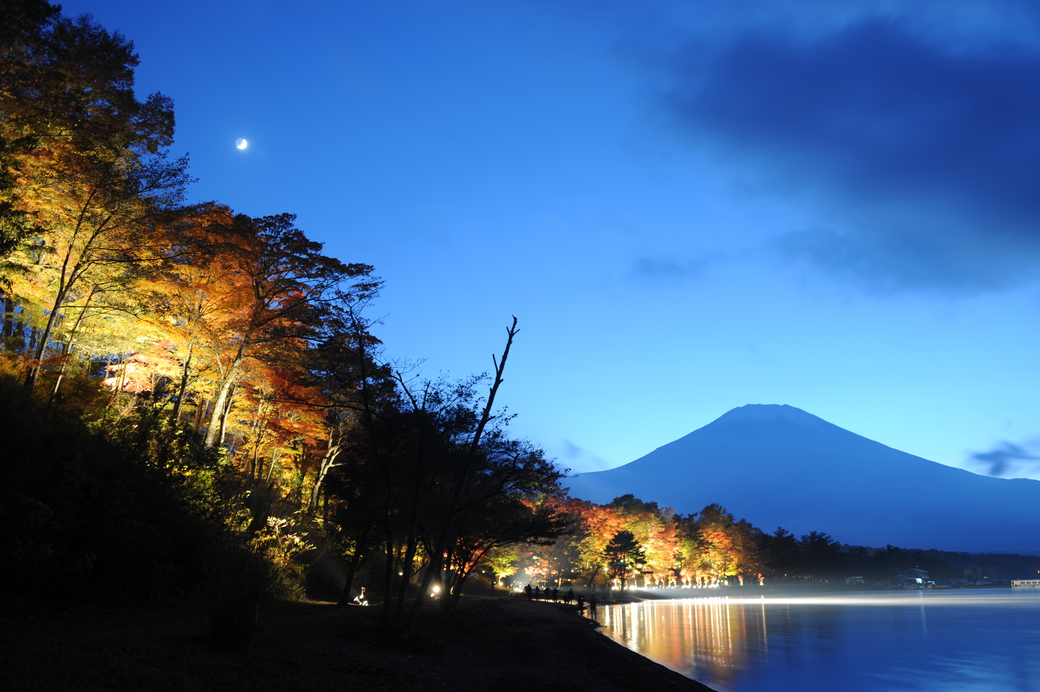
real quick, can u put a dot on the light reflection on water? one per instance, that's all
(918, 641)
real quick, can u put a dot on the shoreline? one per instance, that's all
(496, 642)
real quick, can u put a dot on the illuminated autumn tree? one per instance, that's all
(284, 285)
(554, 561)
(747, 547)
(654, 528)
(598, 524)
(193, 297)
(92, 178)
(707, 545)
(276, 423)
(502, 561)
(23, 27)
(714, 547)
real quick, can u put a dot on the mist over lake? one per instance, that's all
(984, 640)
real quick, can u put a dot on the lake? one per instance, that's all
(972, 640)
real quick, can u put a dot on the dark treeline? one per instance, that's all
(194, 404)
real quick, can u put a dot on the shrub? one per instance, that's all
(238, 587)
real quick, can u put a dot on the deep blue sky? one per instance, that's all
(689, 207)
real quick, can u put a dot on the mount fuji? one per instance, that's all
(778, 466)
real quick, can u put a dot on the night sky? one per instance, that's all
(690, 206)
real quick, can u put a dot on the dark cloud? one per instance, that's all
(577, 456)
(1006, 460)
(922, 160)
(892, 257)
(669, 269)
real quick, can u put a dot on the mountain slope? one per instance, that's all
(780, 466)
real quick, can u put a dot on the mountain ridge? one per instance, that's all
(779, 466)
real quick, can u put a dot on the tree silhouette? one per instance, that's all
(625, 556)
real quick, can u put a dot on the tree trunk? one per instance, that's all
(67, 347)
(9, 321)
(352, 566)
(388, 571)
(327, 463)
(224, 415)
(33, 375)
(407, 570)
(185, 374)
(274, 462)
(220, 404)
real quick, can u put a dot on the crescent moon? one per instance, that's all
(241, 143)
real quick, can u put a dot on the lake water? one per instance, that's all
(985, 640)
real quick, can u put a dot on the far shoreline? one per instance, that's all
(635, 594)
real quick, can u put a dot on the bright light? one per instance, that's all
(241, 143)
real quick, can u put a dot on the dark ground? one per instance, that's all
(497, 643)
